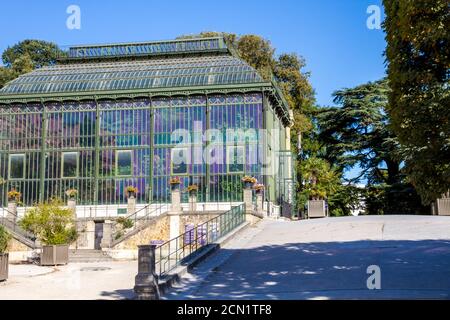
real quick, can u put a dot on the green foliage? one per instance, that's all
(418, 46)
(346, 199)
(126, 223)
(41, 53)
(358, 133)
(51, 223)
(399, 198)
(25, 56)
(4, 239)
(321, 181)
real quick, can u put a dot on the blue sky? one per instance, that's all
(339, 49)
(332, 35)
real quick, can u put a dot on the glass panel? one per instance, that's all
(70, 165)
(235, 159)
(17, 166)
(179, 160)
(124, 160)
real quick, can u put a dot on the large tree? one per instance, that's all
(25, 56)
(358, 134)
(418, 56)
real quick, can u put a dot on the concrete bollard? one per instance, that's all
(146, 281)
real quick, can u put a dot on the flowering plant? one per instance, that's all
(132, 189)
(192, 188)
(249, 179)
(175, 180)
(14, 195)
(258, 187)
(71, 193)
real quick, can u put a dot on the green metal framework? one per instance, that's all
(109, 113)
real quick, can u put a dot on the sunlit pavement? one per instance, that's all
(315, 259)
(328, 259)
(76, 281)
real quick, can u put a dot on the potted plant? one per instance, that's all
(14, 195)
(192, 189)
(248, 182)
(259, 188)
(4, 239)
(72, 193)
(131, 191)
(175, 183)
(54, 226)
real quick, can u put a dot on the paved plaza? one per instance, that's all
(314, 259)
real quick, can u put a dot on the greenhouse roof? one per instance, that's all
(138, 74)
(113, 70)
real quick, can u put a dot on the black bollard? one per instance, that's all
(146, 281)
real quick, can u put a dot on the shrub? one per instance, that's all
(51, 223)
(4, 239)
(125, 222)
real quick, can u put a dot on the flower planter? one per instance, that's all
(4, 259)
(55, 255)
(175, 186)
(248, 185)
(317, 209)
(131, 195)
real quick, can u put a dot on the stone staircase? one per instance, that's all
(88, 255)
(9, 221)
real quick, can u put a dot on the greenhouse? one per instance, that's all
(109, 116)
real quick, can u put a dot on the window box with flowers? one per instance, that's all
(248, 182)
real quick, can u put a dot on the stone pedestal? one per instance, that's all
(193, 202)
(260, 203)
(249, 211)
(146, 281)
(248, 200)
(72, 206)
(12, 211)
(176, 201)
(131, 206)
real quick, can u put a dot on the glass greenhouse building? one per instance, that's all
(109, 116)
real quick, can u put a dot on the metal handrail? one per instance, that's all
(12, 225)
(172, 253)
(119, 235)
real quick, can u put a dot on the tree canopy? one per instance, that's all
(418, 47)
(25, 56)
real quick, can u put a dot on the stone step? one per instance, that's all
(88, 256)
